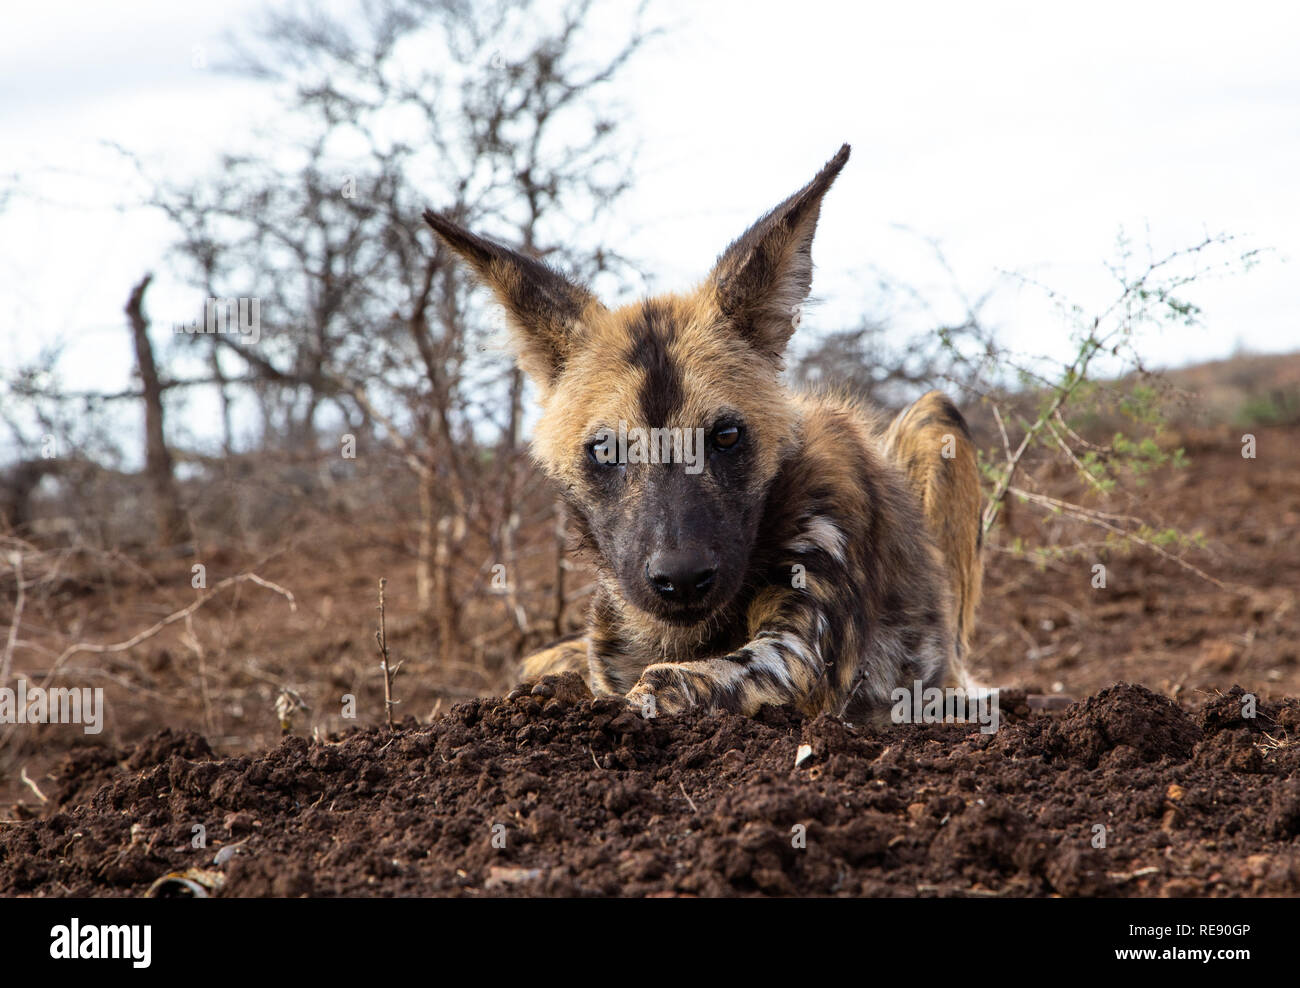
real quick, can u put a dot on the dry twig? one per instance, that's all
(381, 639)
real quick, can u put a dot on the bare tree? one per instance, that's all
(496, 114)
(158, 458)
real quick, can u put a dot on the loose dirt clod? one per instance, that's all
(554, 792)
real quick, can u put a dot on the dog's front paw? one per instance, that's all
(656, 694)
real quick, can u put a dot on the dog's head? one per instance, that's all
(665, 421)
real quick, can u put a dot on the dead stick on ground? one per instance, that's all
(1099, 518)
(170, 619)
(682, 787)
(150, 632)
(381, 638)
(33, 786)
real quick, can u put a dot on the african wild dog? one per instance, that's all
(820, 557)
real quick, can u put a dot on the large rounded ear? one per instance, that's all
(544, 309)
(762, 279)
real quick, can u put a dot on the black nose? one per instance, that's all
(681, 577)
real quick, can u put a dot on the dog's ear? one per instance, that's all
(544, 309)
(761, 281)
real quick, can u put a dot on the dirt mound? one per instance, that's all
(551, 792)
(1124, 716)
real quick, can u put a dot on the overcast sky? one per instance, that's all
(1022, 136)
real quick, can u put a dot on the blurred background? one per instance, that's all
(1079, 223)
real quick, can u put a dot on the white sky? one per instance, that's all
(1022, 136)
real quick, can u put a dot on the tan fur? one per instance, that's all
(717, 373)
(564, 656)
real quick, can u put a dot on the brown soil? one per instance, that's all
(587, 798)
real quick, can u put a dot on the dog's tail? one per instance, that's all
(932, 443)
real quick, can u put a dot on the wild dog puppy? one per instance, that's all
(754, 545)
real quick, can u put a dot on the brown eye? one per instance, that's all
(726, 437)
